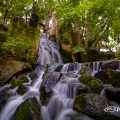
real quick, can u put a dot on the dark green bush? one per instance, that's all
(3, 36)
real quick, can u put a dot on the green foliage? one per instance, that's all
(78, 48)
(19, 46)
(95, 21)
(3, 36)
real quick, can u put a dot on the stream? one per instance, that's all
(61, 101)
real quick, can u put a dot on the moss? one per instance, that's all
(78, 103)
(95, 86)
(85, 70)
(16, 82)
(22, 112)
(85, 78)
(109, 77)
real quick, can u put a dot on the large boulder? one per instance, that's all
(17, 73)
(85, 78)
(113, 94)
(109, 77)
(94, 106)
(49, 81)
(114, 65)
(94, 84)
(33, 75)
(22, 89)
(28, 110)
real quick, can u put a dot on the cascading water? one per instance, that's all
(48, 51)
(14, 101)
(60, 104)
(61, 100)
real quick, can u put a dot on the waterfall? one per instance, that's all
(48, 54)
(48, 51)
(72, 67)
(61, 100)
(95, 67)
(64, 90)
(14, 101)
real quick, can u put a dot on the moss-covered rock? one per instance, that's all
(85, 70)
(109, 77)
(23, 112)
(85, 78)
(18, 81)
(95, 86)
(93, 105)
(28, 110)
(22, 89)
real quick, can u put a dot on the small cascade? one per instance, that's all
(61, 81)
(95, 67)
(48, 54)
(72, 67)
(14, 101)
(61, 100)
(48, 51)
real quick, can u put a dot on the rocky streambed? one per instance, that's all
(72, 91)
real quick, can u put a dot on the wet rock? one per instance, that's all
(18, 81)
(85, 78)
(91, 104)
(28, 110)
(94, 106)
(80, 88)
(114, 65)
(33, 75)
(7, 78)
(109, 77)
(49, 81)
(22, 89)
(71, 74)
(59, 68)
(95, 86)
(55, 67)
(4, 95)
(113, 94)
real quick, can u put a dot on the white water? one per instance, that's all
(14, 102)
(61, 102)
(48, 52)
